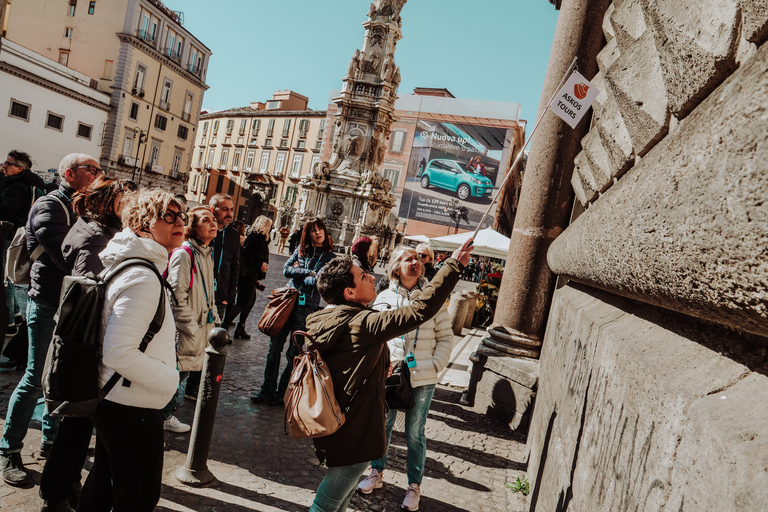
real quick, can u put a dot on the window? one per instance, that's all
(236, 159)
(176, 164)
(300, 144)
(231, 188)
(72, 5)
(283, 143)
(154, 153)
(108, 64)
(290, 194)
(205, 128)
(215, 127)
(243, 124)
(63, 58)
(393, 175)
(200, 158)
(286, 127)
(54, 121)
(206, 178)
(303, 127)
(84, 131)
(267, 143)
(195, 61)
(296, 167)
(273, 105)
(183, 132)
(319, 144)
(255, 127)
(128, 145)
(193, 185)
(315, 161)
(270, 127)
(321, 129)
(165, 96)
(210, 158)
(219, 183)
(249, 161)
(224, 158)
(134, 113)
(138, 81)
(279, 164)
(398, 139)
(68, 32)
(264, 162)
(230, 126)
(91, 7)
(160, 122)
(19, 110)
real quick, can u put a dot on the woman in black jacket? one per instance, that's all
(254, 263)
(98, 208)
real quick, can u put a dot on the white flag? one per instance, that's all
(574, 99)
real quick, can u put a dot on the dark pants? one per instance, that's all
(64, 465)
(246, 298)
(297, 322)
(129, 451)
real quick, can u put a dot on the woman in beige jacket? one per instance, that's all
(190, 274)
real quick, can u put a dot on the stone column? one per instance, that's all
(501, 384)
(546, 196)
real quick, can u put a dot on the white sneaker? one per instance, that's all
(412, 495)
(371, 482)
(173, 424)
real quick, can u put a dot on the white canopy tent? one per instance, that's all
(421, 239)
(487, 243)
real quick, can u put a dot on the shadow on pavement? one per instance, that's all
(242, 499)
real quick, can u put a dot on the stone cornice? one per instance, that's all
(138, 43)
(265, 113)
(30, 77)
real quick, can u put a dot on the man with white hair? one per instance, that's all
(49, 221)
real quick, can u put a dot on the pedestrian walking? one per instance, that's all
(254, 263)
(293, 240)
(353, 342)
(384, 257)
(48, 224)
(190, 275)
(128, 463)
(99, 208)
(284, 232)
(314, 252)
(428, 348)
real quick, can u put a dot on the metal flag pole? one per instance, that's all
(522, 150)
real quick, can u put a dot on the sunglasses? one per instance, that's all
(170, 217)
(8, 163)
(92, 169)
(424, 255)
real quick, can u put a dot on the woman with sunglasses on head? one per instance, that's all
(190, 274)
(428, 259)
(128, 422)
(99, 208)
(425, 352)
(314, 251)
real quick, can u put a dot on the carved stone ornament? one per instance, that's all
(337, 208)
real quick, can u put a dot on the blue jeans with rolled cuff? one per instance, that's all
(337, 487)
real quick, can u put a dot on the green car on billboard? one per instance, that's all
(456, 177)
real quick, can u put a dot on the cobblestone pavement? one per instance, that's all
(469, 458)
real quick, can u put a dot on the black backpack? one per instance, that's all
(71, 374)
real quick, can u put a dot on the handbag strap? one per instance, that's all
(313, 346)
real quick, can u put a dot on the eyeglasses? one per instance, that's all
(423, 255)
(9, 163)
(170, 217)
(94, 170)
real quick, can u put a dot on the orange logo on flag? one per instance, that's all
(580, 90)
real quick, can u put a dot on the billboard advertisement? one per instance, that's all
(453, 172)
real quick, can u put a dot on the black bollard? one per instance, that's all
(195, 471)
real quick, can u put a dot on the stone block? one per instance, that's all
(638, 85)
(615, 136)
(628, 412)
(697, 42)
(578, 188)
(582, 180)
(600, 163)
(608, 55)
(607, 27)
(628, 22)
(754, 21)
(500, 396)
(685, 228)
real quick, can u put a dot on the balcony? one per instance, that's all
(185, 117)
(146, 36)
(172, 54)
(164, 105)
(137, 92)
(127, 160)
(195, 68)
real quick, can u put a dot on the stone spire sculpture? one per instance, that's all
(348, 187)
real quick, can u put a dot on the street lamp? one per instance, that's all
(142, 136)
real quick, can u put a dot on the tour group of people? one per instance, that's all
(91, 223)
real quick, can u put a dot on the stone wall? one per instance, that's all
(653, 369)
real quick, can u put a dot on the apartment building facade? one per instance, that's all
(139, 53)
(258, 155)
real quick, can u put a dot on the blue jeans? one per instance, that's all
(415, 439)
(336, 489)
(40, 325)
(297, 322)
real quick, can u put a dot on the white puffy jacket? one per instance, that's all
(435, 342)
(129, 306)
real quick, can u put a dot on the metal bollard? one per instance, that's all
(195, 471)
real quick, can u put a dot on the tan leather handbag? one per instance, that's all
(311, 408)
(278, 310)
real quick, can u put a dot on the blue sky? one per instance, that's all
(485, 49)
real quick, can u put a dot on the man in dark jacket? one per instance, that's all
(352, 339)
(19, 189)
(49, 221)
(226, 253)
